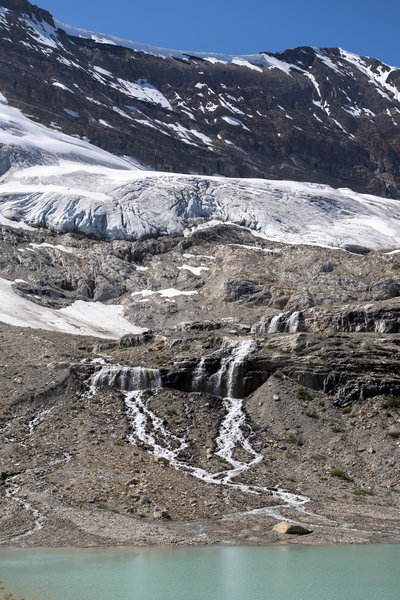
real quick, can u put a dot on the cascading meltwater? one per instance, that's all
(149, 429)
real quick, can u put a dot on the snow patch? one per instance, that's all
(234, 122)
(194, 270)
(81, 318)
(71, 113)
(165, 293)
(62, 86)
(59, 247)
(142, 90)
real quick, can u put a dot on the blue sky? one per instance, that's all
(244, 27)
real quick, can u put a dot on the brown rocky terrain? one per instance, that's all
(320, 391)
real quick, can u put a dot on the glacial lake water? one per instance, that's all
(282, 572)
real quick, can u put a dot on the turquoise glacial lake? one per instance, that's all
(370, 572)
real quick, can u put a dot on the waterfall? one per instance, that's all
(292, 323)
(237, 359)
(274, 324)
(199, 375)
(380, 326)
(227, 375)
(217, 379)
(126, 379)
(282, 323)
(231, 434)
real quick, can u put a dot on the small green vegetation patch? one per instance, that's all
(340, 475)
(394, 434)
(312, 415)
(304, 394)
(391, 402)
(363, 493)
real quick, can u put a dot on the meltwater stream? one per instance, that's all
(149, 429)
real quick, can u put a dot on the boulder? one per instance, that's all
(161, 513)
(291, 529)
(355, 249)
(387, 288)
(395, 428)
(161, 460)
(144, 500)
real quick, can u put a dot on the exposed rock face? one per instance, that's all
(283, 116)
(370, 317)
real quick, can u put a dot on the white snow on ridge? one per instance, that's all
(378, 79)
(41, 145)
(41, 32)
(81, 318)
(250, 61)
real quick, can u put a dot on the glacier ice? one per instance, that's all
(68, 185)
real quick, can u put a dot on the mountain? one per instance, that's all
(308, 114)
(199, 285)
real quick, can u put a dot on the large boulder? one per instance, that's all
(291, 529)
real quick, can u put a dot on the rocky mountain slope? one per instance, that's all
(188, 358)
(264, 387)
(309, 114)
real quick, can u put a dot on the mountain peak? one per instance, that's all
(313, 114)
(23, 6)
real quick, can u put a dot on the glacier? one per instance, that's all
(65, 184)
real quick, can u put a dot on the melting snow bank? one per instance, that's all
(149, 429)
(81, 318)
(137, 204)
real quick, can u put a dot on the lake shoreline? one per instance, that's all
(93, 529)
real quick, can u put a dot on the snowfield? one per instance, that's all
(67, 185)
(81, 318)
